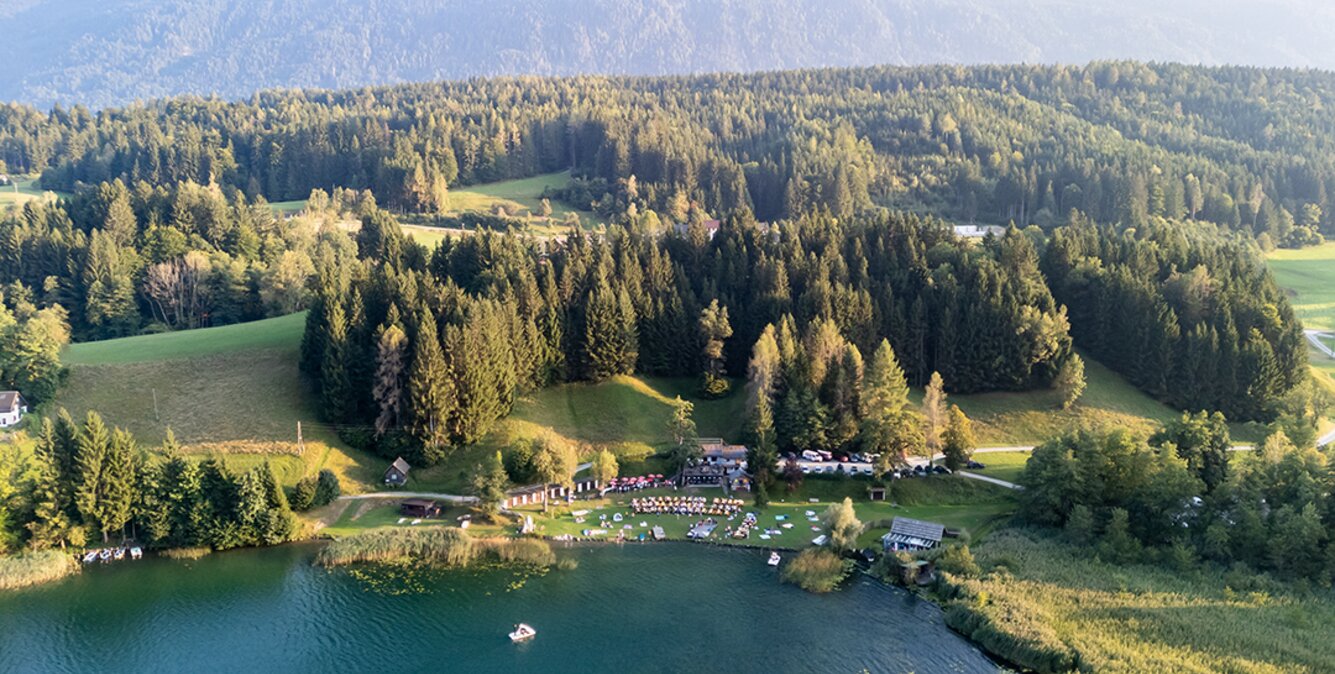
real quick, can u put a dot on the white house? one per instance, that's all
(12, 408)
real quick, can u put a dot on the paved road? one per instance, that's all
(453, 498)
(1326, 439)
(1314, 338)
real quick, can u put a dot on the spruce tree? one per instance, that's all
(118, 483)
(430, 391)
(885, 400)
(93, 444)
(391, 352)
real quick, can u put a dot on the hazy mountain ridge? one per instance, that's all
(106, 52)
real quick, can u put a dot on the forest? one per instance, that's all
(815, 203)
(1242, 148)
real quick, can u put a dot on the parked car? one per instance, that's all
(941, 470)
(974, 465)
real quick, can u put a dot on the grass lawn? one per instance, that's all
(233, 391)
(1033, 417)
(1002, 465)
(973, 506)
(970, 505)
(1308, 275)
(518, 197)
(1144, 618)
(23, 190)
(627, 415)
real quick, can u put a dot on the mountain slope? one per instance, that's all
(107, 52)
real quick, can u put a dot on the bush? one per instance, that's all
(957, 560)
(303, 494)
(327, 488)
(817, 570)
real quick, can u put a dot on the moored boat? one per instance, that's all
(523, 632)
(774, 559)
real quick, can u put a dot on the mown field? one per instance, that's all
(520, 198)
(233, 391)
(1308, 274)
(21, 191)
(972, 506)
(1061, 602)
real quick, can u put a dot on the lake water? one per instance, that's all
(638, 608)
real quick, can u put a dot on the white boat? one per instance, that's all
(523, 632)
(773, 559)
(90, 557)
(136, 552)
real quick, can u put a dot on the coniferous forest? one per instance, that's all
(1139, 194)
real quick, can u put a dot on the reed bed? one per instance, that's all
(35, 568)
(435, 546)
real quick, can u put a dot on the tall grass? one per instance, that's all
(35, 568)
(1049, 606)
(435, 546)
(816, 570)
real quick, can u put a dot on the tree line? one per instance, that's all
(87, 482)
(123, 260)
(417, 352)
(1178, 499)
(1246, 149)
(1193, 319)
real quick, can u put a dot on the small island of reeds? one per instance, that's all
(435, 546)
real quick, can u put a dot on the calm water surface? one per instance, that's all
(639, 608)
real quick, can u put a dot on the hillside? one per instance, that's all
(113, 52)
(232, 391)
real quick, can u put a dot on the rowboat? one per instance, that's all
(522, 632)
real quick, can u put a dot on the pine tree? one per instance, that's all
(715, 329)
(763, 379)
(554, 462)
(118, 483)
(92, 446)
(488, 484)
(1070, 381)
(934, 413)
(430, 391)
(885, 400)
(50, 526)
(611, 341)
(957, 440)
(335, 382)
(391, 351)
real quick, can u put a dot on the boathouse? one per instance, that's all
(397, 473)
(419, 507)
(910, 535)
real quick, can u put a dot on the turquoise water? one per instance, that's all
(638, 608)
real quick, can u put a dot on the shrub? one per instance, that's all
(327, 488)
(817, 570)
(303, 494)
(957, 560)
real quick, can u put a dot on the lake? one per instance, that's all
(638, 608)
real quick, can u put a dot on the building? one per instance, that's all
(532, 494)
(12, 408)
(977, 231)
(419, 507)
(397, 473)
(910, 535)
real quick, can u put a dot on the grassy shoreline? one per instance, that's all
(35, 568)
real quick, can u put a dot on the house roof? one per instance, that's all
(906, 529)
(400, 465)
(10, 400)
(722, 451)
